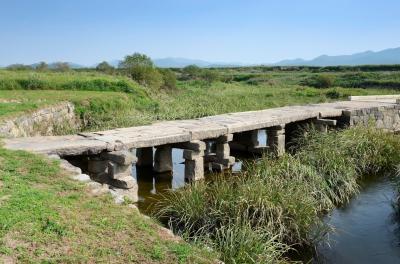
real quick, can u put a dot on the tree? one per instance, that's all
(19, 67)
(136, 60)
(42, 66)
(192, 71)
(141, 69)
(61, 66)
(105, 67)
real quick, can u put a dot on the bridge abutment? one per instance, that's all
(115, 169)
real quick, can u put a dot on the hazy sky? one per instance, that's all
(251, 31)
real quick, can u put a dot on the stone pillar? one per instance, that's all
(145, 157)
(115, 168)
(223, 158)
(323, 124)
(193, 154)
(163, 159)
(276, 139)
(246, 141)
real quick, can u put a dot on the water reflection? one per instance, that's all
(366, 228)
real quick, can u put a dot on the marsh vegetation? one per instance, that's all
(275, 205)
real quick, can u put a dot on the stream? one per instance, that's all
(366, 228)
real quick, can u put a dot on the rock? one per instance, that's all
(126, 182)
(122, 195)
(82, 178)
(64, 164)
(116, 171)
(122, 157)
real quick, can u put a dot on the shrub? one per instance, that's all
(209, 75)
(320, 81)
(104, 67)
(169, 79)
(140, 68)
(191, 72)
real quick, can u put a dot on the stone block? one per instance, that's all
(126, 182)
(191, 154)
(194, 169)
(163, 159)
(116, 170)
(196, 145)
(123, 157)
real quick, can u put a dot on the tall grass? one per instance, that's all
(275, 204)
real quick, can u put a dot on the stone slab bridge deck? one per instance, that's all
(108, 156)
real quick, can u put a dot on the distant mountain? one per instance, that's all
(183, 62)
(179, 62)
(387, 56)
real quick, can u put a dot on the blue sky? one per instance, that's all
(249, 31)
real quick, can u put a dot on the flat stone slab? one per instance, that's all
(179, 131)
(60, 145)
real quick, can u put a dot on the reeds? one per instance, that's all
(255, 217)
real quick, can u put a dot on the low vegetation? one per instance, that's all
(275, 204)
(256, 217)
(46, 217)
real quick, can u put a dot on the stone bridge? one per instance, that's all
(108, 156)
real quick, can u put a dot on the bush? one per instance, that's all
(169, 79)
(105, 67)
(320, 81)
(191, 72)
(209, 75)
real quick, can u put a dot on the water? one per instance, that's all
(366, 228)
(152, 184)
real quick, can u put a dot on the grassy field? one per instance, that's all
(45, 217)
(104, 106)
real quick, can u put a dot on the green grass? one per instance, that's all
(276, 204)
(70, 80)
(100, 106)
(47, 217)
(257, 217)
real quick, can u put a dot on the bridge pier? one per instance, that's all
(223, 159)
(145, 157)
(115, 169)
(323, 124)
(276, 139)
(194, 160)
(193, 153)
(247, 141)
(163, 159)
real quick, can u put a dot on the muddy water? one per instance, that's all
(367, 230)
